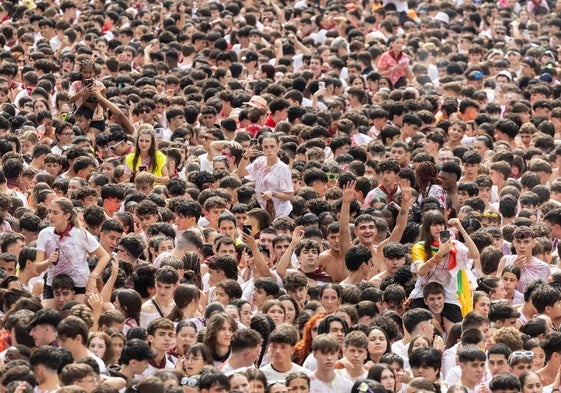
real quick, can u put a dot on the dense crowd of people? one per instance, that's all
(280, 196)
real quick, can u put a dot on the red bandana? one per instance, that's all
(65, 233)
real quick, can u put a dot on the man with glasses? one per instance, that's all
(64, 136)
(145, 109)
(118, 144)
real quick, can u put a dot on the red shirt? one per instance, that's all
(270, 122)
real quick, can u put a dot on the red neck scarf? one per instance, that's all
(390, 194)
(66, 232)
(434, 246)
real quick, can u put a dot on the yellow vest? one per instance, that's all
(160, 163)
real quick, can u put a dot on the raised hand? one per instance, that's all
(249, 240)
(298, 234)
(349, 193)
(96, 303)
(520, 261)
(445, 248)
(406, 192)
(455, 222)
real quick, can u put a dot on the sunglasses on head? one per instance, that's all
(523, 234)
(490, 215)
(189, 381)
(522, 354)
(332, 176)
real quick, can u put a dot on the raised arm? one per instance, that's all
(120, 117)
(109, 285)
(100, 267)
(349, 195)
(216, 147)
(401, 222)
(246, 157)
(473, 252)
(284, 262)
(261, 264)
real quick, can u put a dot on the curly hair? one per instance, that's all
(84, 313)
(509, 336)
(304, 347)
(427, 175)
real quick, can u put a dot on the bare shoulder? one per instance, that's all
(148, 306)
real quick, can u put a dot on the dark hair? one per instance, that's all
(376, 371)
(422, 357)
(131, 303)
(47, 356)
(505, 381)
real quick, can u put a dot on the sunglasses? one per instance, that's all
(112, 148)
(522, 354)
(332, 176)
(191, 382)
(490, 215)
(219, 158)
(145, 111)
(523, 233)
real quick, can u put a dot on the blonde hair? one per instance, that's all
(67, 207)
(144, 179)
(31, 136)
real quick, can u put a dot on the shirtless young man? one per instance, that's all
(339, 238)
(365, 229)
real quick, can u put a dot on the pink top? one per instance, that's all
(77, 86)
(388, 60)
(536, 269)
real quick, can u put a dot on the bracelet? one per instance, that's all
(94, 276)
(273, 194)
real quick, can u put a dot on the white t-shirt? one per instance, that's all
(73, 252)
(276, 376)
(339, 384)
